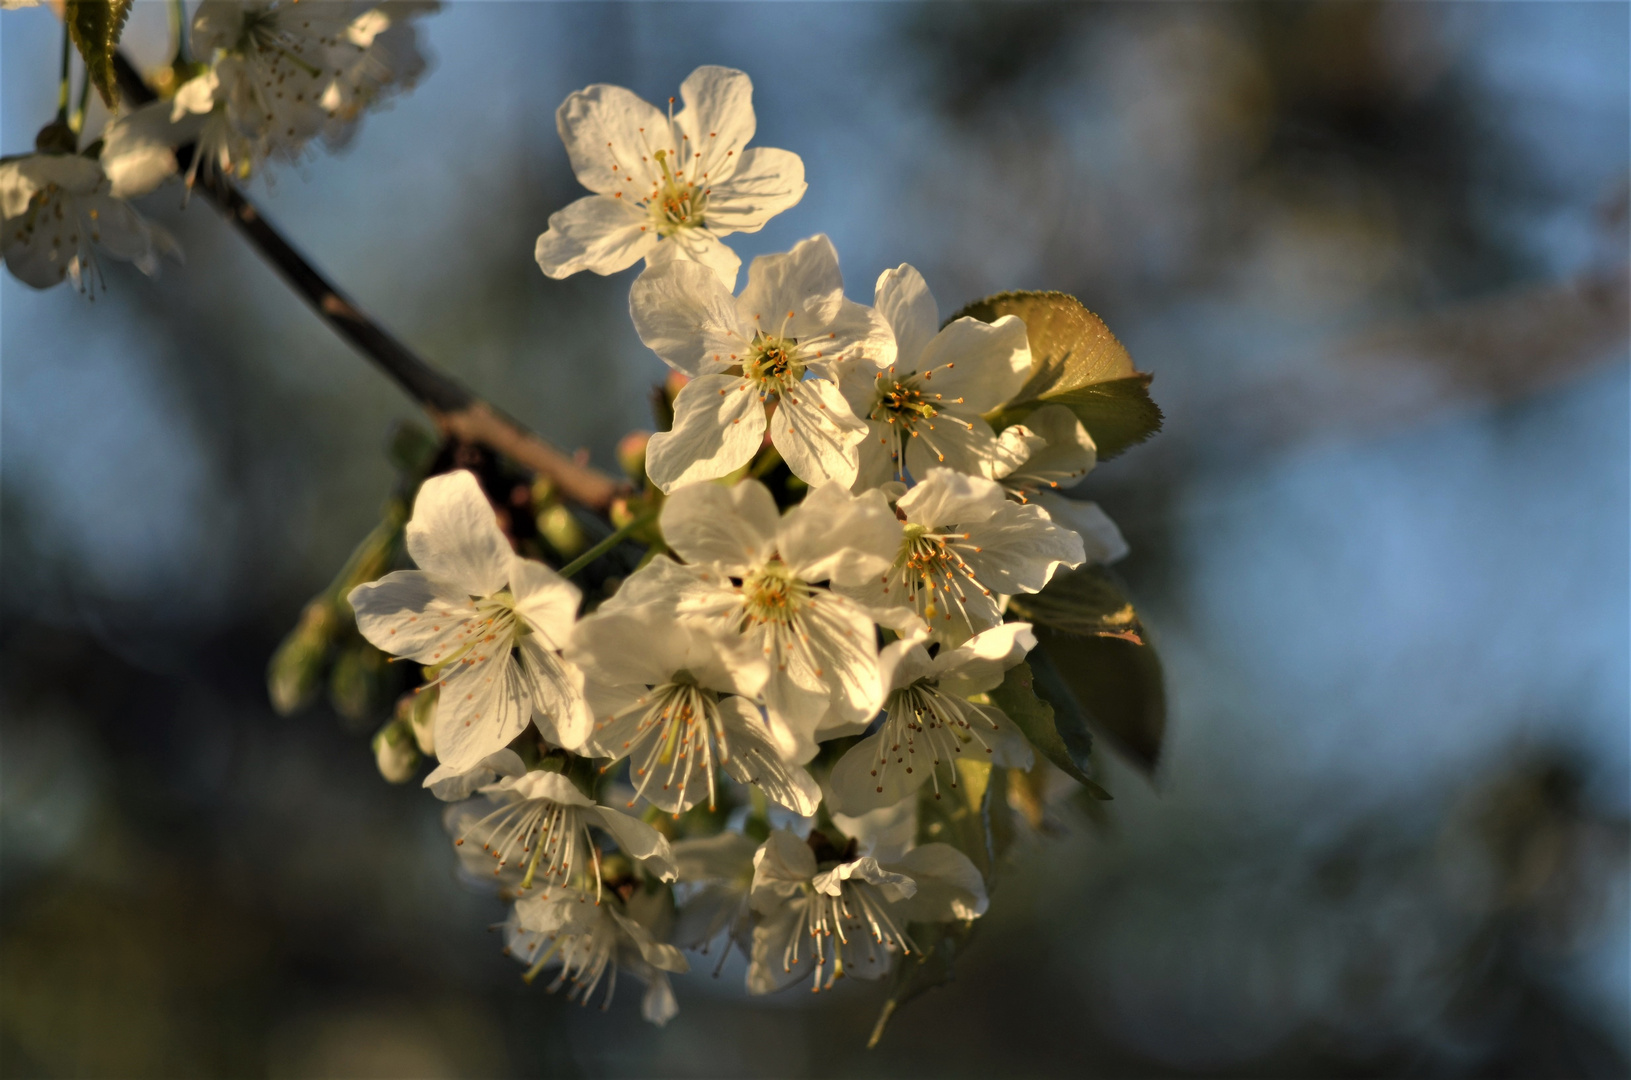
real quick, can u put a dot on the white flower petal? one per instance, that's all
(780, 866)
(480, 710)
(454, 535)
(701, 246)
(658, 1004)
(686, 315)
(1019, 547)
(755, 759)
(452, 785)
(724, 856)
(766, 181)
(855, 786)
(902, 298)
(610, 133)
(1056, 449)
(539, 784)
(719, 424)
(985, 364)
(717, 122)
(948, 885)
(409, 613)
(980, 663)
(547, 600)
(638, 840)
(835, 535)
(734, 527)
(598, 233)
(1102, 542)
(962, 443)
(795, 293)
(816, 434)
(555, 687)
(945, 497)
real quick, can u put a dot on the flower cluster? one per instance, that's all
(731, 742)
(272, 76)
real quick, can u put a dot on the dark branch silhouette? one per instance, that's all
(457, 411)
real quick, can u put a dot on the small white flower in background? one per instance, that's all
(138, 149)
(677, 700)
(964, 547)
(923, 409)
(929, 723)
(667, 187)
(756, 573)
(775, 349)
(57, 212)
(490, 621)
(540, 825)
(8, 5)
(590, 940)
(289, 72)
(842, 915)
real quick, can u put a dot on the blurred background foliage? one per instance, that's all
(1375, 256)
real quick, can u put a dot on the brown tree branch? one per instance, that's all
(457, 410)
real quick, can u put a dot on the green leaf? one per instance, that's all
(1087, 600)
(1076, 362)
(1094, 655)
(95, 26)
(1017, 697)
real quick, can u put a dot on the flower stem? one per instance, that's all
(77, 123)
(62, 89)
(607, 544)
(178, 26)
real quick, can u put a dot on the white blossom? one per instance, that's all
(964, 548)
(929, 722)
(924, 409)
(57, 212)
(589, 941)
(666, 187)
(757, 574)
(1051, 449)
(286, 72)
(489, 621)
(676, 699)
(768, 357)
(847, 915)
(539, 824)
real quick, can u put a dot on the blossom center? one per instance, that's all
(936, 578)
(675, 203)
(548, 838)
(680, 735)
(852, 928)
(924, 728)
(774, 363)
(774, 594)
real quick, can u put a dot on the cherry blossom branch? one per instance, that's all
(457, 410)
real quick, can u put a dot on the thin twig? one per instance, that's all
(458, 411)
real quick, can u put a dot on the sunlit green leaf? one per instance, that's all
(1087, 600)
(1077, 362)
(95, 26)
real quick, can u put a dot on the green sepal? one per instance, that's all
(1075, 362)
(95, 26)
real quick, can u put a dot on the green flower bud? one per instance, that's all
(563, 531)
(296, 668)
(631, 454)
(356, 684)
(395, 752)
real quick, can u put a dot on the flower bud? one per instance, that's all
(395, 752)
(631, 454)
(563, 531)
(357, 681)
(418, 710)
(296, 669)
